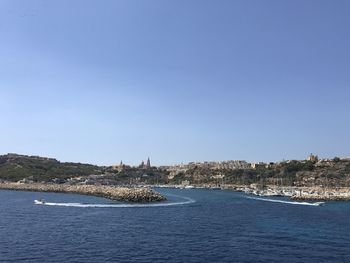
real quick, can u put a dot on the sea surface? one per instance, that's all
(194, 226)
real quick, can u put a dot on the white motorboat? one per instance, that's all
(39, 202)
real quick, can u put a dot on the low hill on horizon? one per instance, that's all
(15, 167)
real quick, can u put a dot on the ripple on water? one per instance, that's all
(221, 226)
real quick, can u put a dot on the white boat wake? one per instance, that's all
(287, 202)
(187, 201)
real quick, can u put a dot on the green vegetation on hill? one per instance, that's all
(14, 167)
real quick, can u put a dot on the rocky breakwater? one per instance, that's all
(298, 193)
(322, 194)
(110, 192)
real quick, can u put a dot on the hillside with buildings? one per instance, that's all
(312, 172)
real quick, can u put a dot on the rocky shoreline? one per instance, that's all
(322, 194)
(136, 194)
(140, 195)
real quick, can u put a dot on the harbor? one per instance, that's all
(292, 192)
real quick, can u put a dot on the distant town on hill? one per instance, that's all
(313, 171)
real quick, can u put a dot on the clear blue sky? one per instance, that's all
(179, 81)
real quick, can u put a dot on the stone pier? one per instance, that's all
(110, 192)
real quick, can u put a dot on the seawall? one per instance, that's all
(113, 193)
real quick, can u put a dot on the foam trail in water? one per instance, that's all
(187, 201)
(287, 202)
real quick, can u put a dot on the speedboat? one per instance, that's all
(39, 202)
(319, 203)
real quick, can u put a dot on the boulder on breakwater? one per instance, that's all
(110, 192)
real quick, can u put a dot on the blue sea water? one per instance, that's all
(207, 226)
